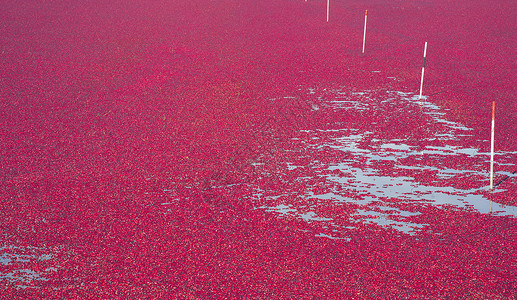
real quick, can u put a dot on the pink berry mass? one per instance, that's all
(249, 149)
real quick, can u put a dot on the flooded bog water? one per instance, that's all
(22, 267)
(384, 157)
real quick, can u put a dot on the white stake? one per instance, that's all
(364, 35)
(423, 67)
(492, 149)
(328, 5)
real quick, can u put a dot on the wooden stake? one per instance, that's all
(423, 67)
(492, 148)
(328, 5)
(364, 34)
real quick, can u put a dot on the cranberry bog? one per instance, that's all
(248, 149)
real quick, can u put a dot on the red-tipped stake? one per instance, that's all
(328, 5)
(423, 67)
(364, 34)
(492, 148)
(492, 156)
